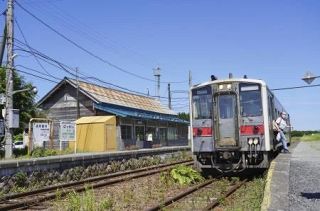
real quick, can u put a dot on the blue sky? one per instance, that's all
(277, 41)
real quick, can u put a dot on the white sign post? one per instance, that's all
(2, 99)
(67, 132)
(41, 133)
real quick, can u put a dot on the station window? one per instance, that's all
(126, 132)
(172, 133)
(140, 133)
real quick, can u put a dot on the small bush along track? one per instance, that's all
(31, 198)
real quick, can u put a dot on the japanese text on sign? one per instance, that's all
(41, 133)
(67, 131)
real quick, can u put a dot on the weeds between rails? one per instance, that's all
(32, 198)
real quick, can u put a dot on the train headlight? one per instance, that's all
(256, 141)
(250, 141)
(220, 86)
(228, 86)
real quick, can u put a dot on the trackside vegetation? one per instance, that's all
(305, 135)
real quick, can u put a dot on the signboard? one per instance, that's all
(40, 133)
(14, 118)
(67, 131)
(1, 127)
(2, 99)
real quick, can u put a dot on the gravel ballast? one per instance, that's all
(304, 180)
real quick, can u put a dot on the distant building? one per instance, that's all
(136, 115)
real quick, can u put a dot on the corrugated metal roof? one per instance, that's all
(94, 119)
(116, 97)
(125, 112)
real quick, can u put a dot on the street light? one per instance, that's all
(309, 77)
(33, 89)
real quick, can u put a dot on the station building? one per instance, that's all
(136, 115)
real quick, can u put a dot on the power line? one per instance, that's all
(295, 87)
(72, 23)
(86, 50)
(65, 68)
(34, 70)
(37, 76)
(90, 92)
(27, 44)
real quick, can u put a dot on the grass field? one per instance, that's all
(311, 137)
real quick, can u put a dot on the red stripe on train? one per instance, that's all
(202, 131)
(252, 129)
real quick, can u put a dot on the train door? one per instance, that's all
(271, 116)
(226, 120)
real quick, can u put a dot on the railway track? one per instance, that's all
(169, 201)
(35, 197)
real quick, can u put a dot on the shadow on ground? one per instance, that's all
(311, 195)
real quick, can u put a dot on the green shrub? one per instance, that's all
(185, 175)
(73, 201)
(18, 137)
(50, 152)
(21, 179)
(106, 204)
(20, 152)
(38, 152)
(86, 201)
(42, 152)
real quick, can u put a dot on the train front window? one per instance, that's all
(201, 105)
(226, 106)
(250, 100)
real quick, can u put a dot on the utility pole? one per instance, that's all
(156, 73)
(190, 79)
(78, 103)
(9, 80)
(169, 96)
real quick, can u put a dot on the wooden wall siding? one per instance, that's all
(102, 113)
(62, 105)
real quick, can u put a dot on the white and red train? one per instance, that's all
(232, 122)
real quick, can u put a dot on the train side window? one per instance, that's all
(202, 103)
(270, 107)
(250, 100)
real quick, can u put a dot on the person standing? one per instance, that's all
(281, 125)
(149, 139)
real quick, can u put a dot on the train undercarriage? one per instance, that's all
(233, 161)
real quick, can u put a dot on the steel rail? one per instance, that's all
(181, 195)
(91, 179)
(13, 201)
(189, 191)
(216, 202)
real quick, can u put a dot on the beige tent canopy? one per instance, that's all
(96, 134)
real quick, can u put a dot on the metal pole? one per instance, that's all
(156, 73)
(78, 103)
(190, 79)
(169, 96)
(189, 98)
(30, 137)
(9, 80)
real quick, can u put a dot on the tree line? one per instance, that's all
(300, 133)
